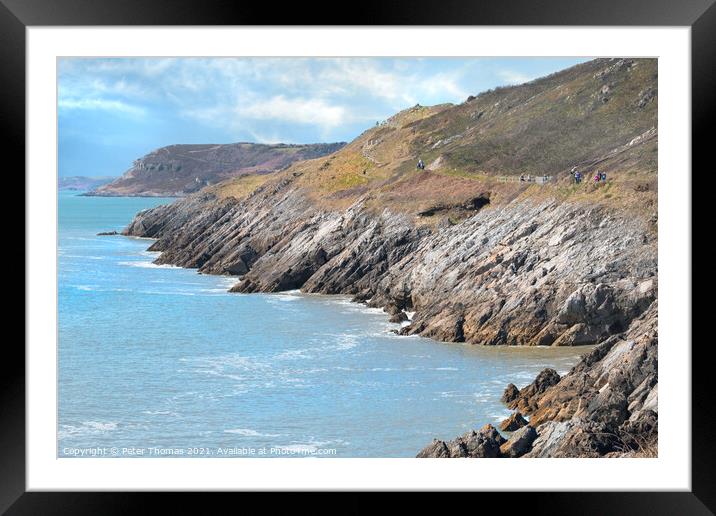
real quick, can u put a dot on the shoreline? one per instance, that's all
(568, 415)
(338, 297)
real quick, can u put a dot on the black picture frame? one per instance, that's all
(16, 15)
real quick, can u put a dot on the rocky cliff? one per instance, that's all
(461, 251)
(607, 405)
(178, 170)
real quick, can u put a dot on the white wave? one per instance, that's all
(167, 293)
(86, 288)
(308, 448)
(482, 397)
(248, 432)
(159, 412)
(445, 369)
(221, 374)
(148, 265)
(345, 341)
(86, 428)
(282, 297)
(84, 256)
(499, 417)
(454, 394)
(228, 366)
(228, 281)
(295, 353)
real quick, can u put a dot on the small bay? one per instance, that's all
(164, 358)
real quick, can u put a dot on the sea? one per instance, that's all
(161, 361)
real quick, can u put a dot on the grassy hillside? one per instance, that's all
(599, 115)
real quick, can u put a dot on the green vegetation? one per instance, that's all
(600, 115)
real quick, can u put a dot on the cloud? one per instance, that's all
(401, 85)
(116, 106)
(440, 84)
(274, 99)
(513, 77)
(298, 110)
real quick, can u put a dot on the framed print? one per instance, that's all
(436, 254)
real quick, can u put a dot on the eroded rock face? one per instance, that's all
(518, 274)
(484, 443)
(519, 442)
(524, 273)
(526, 398)
(512, 423)
(606, 406)
(511, 393)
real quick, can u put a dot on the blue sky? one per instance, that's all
(112, 111)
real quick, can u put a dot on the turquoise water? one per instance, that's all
(162, 361)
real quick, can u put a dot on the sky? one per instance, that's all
(114, 110)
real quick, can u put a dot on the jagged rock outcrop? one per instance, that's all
(519, 442)
(606, 406)
(483, 444)
(526, 397)
(512, 423)
(525, 273)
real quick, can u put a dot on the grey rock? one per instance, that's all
(484, 443)
(512, 423)
(511, 393)
(519, 442)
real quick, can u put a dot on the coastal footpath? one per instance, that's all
(458, 255)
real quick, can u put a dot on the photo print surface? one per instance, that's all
(357, 257)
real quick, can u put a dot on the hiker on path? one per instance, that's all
(421, 165)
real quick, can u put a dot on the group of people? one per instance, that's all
(598, 176)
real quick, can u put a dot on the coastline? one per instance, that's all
(359, 359)
(473, 256)
(560, 423)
